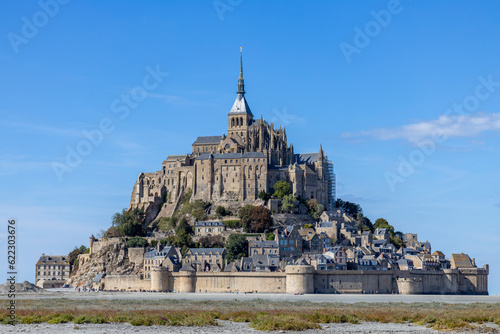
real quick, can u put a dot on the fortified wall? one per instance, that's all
(305, 279)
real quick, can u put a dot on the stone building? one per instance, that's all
(205, 259)
(52, 268)
(251, 158)
(209, 228)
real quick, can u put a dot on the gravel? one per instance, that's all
(225, 327)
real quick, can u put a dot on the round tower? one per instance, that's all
(299, 279)
(186, 281)
(410, 285)
(91, 244)
(158, 281)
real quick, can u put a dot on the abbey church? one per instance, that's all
(251, 158)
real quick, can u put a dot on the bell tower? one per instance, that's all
(240, 116)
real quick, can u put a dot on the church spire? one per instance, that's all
(241, 81)
(320, 155)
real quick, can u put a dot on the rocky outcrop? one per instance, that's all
(110, 260)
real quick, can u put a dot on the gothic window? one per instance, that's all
(241, 123)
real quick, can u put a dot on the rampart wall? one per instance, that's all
(304, 279)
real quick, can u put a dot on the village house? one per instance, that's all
(204, 228)
(206, 259)
(337, 256)
(330, 228)
(290, 242)
(263, 247)
(166, 258)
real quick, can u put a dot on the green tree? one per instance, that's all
(221, 211)
(168, 223)
(382, 223)
(289, 203)
(395, 236)
(315, 208)
(350, 208)
(73, 255)
(236, 246)
(282, 188)
(183, 227)
(137, 242)
(264, 195)
(129, 223)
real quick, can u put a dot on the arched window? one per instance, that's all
(232, 122)
(241, 121)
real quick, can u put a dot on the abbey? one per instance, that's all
(251, 158)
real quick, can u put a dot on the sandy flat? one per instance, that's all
(319, 298)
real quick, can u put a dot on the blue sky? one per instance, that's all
(403, 96)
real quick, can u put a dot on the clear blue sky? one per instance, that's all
(370, 91)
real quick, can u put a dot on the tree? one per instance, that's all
(264, 195)
(282, 188)
(236, 246)
(315, 208)
(221, 211)
(168, 223)
(289, 203)
(183, 227)
(211, 241)
(396, 237)
(137, 242)
(130, 222)
(261, 219)
(245, 214)
(350, 208)
(382, 223)
(73, 255)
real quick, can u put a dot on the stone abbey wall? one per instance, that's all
(304, 279)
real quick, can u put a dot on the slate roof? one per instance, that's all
(303, 158)
(240, 106)
(207, 140)
(217, 223)
(206, 250)
(97, 278)
(379, 231)
(53, 259)
(325, 224)
(155, 253)
(264, 244)
(175, 157)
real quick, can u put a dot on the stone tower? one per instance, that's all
(240, 117)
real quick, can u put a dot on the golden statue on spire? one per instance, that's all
(241, 49)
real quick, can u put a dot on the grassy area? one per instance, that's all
(260, 314)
